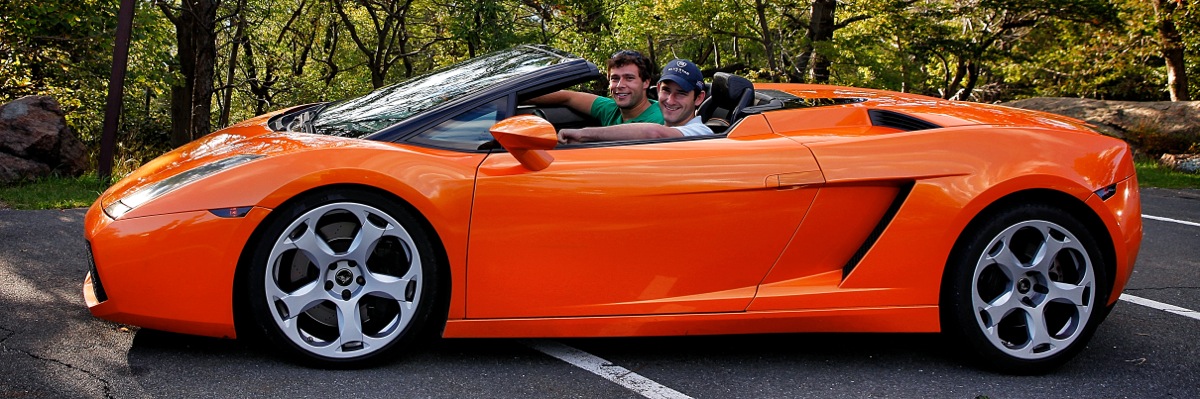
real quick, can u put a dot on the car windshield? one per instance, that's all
(389, 105)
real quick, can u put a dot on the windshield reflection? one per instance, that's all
(389, 105)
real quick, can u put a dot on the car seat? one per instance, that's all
(728, 96)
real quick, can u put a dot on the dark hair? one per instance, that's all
(627, 57)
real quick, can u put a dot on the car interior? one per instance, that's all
(728, 97)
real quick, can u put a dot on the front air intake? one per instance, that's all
(97, 287)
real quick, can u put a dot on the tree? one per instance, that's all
(53, 44)
(191, 98)
(390, 35)
(819, 35)
(1172, 45)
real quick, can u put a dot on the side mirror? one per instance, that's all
(527, 138)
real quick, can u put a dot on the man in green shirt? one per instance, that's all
(628, 80)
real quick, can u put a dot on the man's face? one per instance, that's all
(626, 86)
(678, 106)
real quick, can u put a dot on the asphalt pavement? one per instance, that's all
(51, 347)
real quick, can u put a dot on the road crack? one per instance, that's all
(106, 387)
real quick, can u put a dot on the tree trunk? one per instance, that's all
(972, 80)
(260, 87)
(960, 73)
(1172, 49)
(206, 65)
(181, 92)
(191, 101)
(768, 44)
(822, 28)
(181, 115)
(227, 96)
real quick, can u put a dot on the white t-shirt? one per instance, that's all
(694, 127)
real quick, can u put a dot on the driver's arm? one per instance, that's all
(579, 101)
(627, 131)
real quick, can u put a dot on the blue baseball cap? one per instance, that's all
(684, 73)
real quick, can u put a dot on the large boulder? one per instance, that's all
(36, 141)
(1153, 127)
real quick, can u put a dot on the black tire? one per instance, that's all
(1018, 312)
(341, 278)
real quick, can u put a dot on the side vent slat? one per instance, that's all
(884, 222)
(898, 120)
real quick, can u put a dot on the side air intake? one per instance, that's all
(898, 120)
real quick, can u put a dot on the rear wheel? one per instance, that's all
(1025, 289)
(338, 279)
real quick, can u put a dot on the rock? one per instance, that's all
(36, 141)
(1182, 162)
(14, 169)
(1153, 127)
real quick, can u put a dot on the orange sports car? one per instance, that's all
(442, 205)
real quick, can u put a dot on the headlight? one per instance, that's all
(143, 195)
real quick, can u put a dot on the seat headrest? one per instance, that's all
(727, 89)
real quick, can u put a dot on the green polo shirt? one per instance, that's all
(606, 110)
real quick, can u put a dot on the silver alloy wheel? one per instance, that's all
(343, 280)
(1034, 290)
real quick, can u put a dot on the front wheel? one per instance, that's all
(1025, 289)
(338, 279)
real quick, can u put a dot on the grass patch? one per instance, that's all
(1153, 174)
(53, 192)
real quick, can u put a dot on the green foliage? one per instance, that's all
(292, 52)
(48, 45)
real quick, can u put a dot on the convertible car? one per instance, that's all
(445, 206)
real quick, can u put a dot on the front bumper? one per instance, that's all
(172, 272)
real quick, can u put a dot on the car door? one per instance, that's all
(679, 226)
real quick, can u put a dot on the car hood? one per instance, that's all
(250, 137)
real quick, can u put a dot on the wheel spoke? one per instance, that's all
(1008, 259)
(385, 286)
(300, 300)
(1073, 294)
(368, 236)
(1039, 337)
(1047, 251)
(998, 308)
(349, 323)
(312, 246)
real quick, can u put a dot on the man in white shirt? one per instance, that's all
(680, 92)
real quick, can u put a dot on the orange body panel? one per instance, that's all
(683, 239)
(895, 319)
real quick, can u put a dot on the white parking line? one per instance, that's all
(1163, 219)
(1161, 306)
(620, 375)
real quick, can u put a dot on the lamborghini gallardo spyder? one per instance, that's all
(444, 205)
